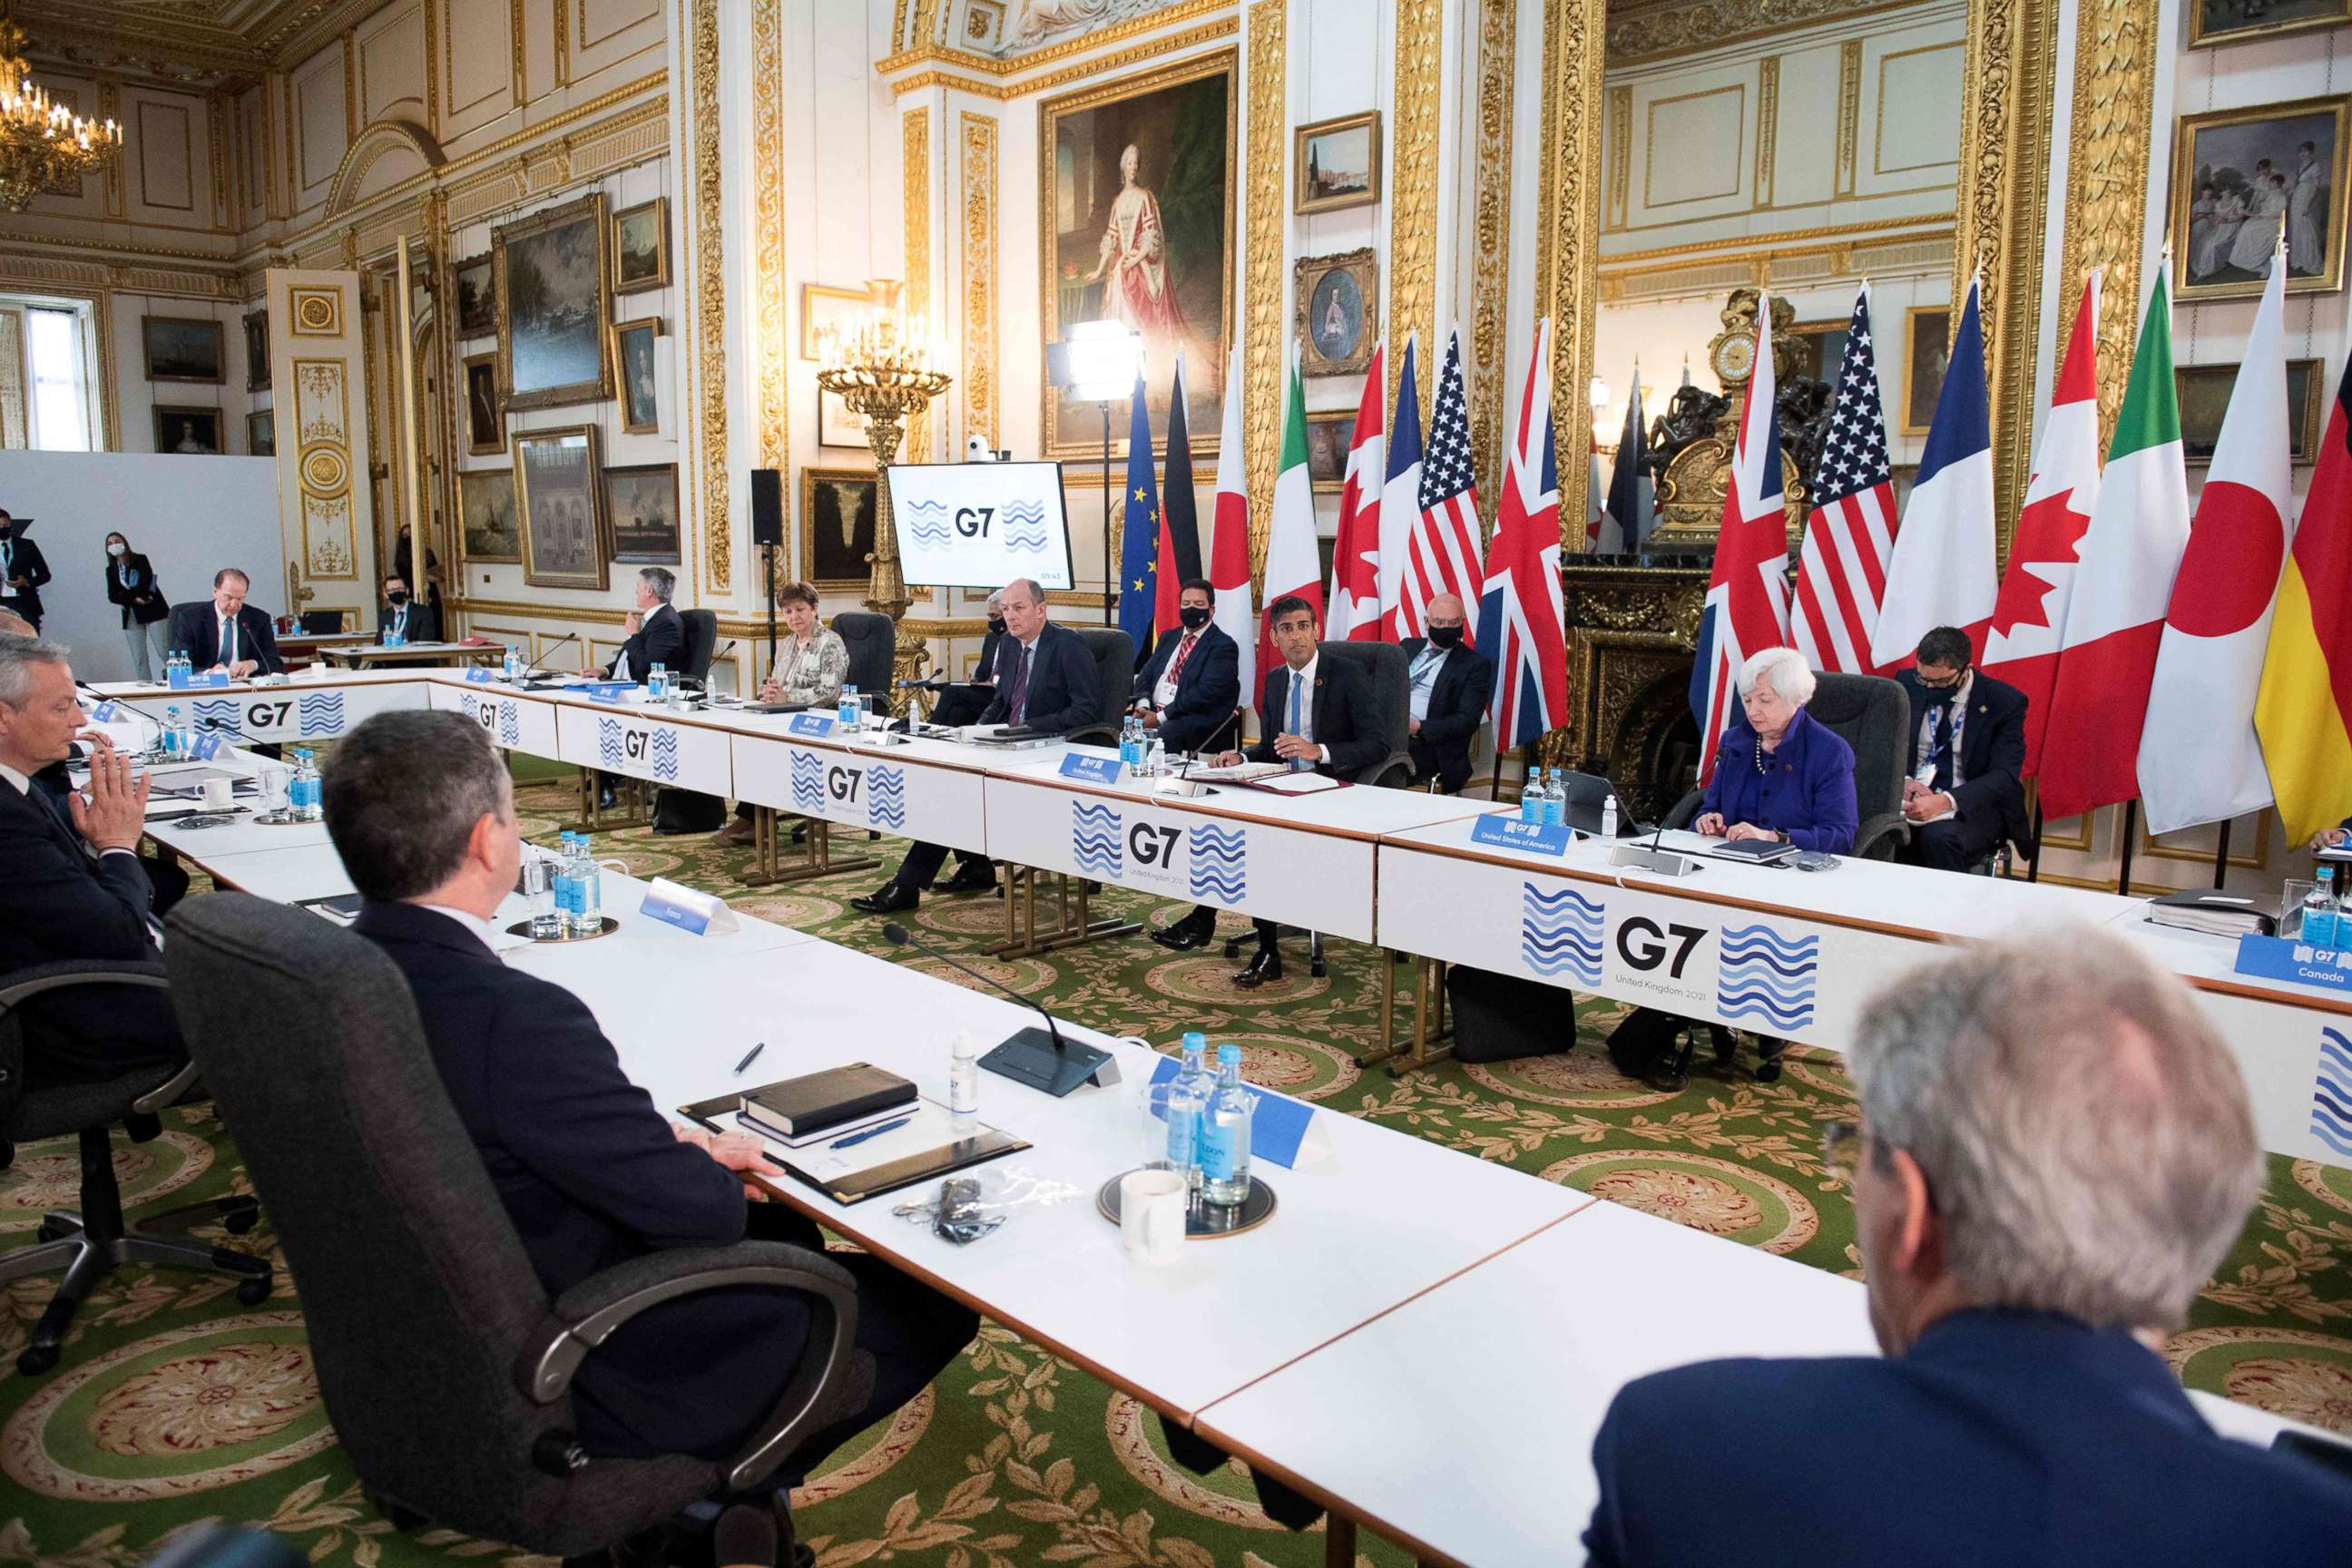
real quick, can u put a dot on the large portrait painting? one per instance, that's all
(555, 298)
(561, 500)
(2243, 176)
(837, 512)
(486, 512)
(1135, 188)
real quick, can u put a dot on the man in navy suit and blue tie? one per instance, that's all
(225, 633)
(2054, 1154)
(1047, 683)
(1187, 691)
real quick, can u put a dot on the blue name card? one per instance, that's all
(209, 746)
(700, 914)
(105, 712)
(200, 681)
(2285, 958)
(607, 690)
(1532, 837)
(1277, 1124)
(477, 675)
(1091, 769)
(811, 724)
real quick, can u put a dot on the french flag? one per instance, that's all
(1941, 572)
(1747, 593)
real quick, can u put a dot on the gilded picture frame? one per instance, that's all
(192, 348)
(823, 306)
(2205, 32)
(560, 506)
(189, 430)
(636, 375)
(637, 265)
(834, 549)
(557, 266)
(1336, 312)
(2239, 175)
(642, 502)
(257, 350)
(2202, 392)
(474, 295)
(486, 432)
(1153, 245)
(488, 530)
(1927, 355)
(1355, 138)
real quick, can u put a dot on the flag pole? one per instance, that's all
(2131, 817)
(2034, 867)
(2222, 855)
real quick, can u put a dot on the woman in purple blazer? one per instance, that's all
(1779, 775)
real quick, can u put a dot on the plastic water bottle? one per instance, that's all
(1130, 745)
(846, 712)
(1609, 815)
(176, 671)
(1188, 1103)
(1531, 796)
(1555, 806)
(963, 1084)
(2321, 923)
(393, 638)
(305, 796)
(547, 918)
(567, 884)
(591, 893)
(511, 668)
(658, 683)
(169, 736)
(1225, 1135)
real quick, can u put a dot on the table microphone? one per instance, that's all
(530, 665)
(1057, 1073)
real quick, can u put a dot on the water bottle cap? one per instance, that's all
(1229, 1056)
(1195, 1040)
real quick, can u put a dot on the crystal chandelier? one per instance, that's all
(42, 145)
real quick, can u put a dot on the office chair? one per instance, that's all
(444, 1364)
(1114, 653)
(96, 1240)
(1871, 714)
(872, 640)
(677, 811)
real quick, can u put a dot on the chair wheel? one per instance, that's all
(1768, 1070)
(1233, 947)
(253, 1292)
(237, 1222)
(1724, 1050)
(52, 1230)
(1315, 968)
(34, 1359)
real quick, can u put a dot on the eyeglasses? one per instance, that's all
(1945, 684)
(1841, 1149)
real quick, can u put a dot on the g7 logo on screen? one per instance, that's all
(1642, 945)
(971, 521)
(1153, 846)
(268, 715)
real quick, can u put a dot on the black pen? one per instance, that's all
(748, 1060)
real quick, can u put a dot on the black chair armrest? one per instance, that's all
(20, 985)
(1378, 773)
(1685, 811)
(1093, 735)
(1880, 837)
(585, 1316)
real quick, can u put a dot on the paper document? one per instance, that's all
(1288, 783)
(931, 1129)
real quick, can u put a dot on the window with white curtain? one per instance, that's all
(58, 363)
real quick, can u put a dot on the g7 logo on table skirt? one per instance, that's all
(321, 713)
(226, 713)
(1561, 933)
(886, 797)
(2331, 1093)
(1219, 868)
(1095, 839)
(808, 782)
(619, 745)
(1767, 976)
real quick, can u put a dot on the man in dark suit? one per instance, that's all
(1450, 686)
(71, 885)
(224, 632)
(420, 808)
(1188, 689)
(965, 700)
(655, 634)
(1964, 796)
(1309, 715)
(402, 616)
(23, 572)
(2054, 1154)
(1046, 681)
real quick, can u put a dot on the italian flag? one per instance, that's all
(1293, 564)
(2115, 619)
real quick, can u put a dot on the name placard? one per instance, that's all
(607, 691)
(200, 681)
(209, 746)
(1529, 837)
(817, 724)
(702, 914)
(106, 712)
(1090, 770)
(2285, 958)
(477, 675)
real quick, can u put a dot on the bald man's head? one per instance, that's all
(1443, 619)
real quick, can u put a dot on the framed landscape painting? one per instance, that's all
(2203, 391)
(2215, 21)
(1136, 225)
(1336, 164)
(2242, 177)
(182, 348)
(555, 298)
(476, 291)
(561, 501)
(641, 247)
(486, 512)
(643, 501)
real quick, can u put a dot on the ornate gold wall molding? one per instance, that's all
(924, 50)
(1498, 27)
(773, 354)
(1849, 121)
(710, 296)
(915, 169)
(1667, 28)
(1568, 208)
(1102, 66)
(1618, 129)
(980, 400)
(1413, 188)
(2107, 180)
(1768, 124)
(1265, 204)
(2006, 96)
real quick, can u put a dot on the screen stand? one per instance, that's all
(1029, 1058)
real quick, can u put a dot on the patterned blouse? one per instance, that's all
(811, 672)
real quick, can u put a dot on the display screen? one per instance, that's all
(980, 525)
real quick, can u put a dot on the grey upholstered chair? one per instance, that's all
(1871, 714)
(94, 1241)
(442, 1363)
(871, 642)
(1387, 675)
(1114, 653)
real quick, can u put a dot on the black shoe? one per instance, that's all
(744, 1537)
(889, 898)
(972, 877)
(1195, 929)
(606, 800)
(1265, 967)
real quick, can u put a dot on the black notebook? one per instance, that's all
(798, 1107)
(927, 1148)
(1762, 852)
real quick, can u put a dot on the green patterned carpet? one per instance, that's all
(173, 1405)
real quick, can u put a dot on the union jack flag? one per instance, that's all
(1747, 593)
(1842, 570)
(1442, 557)
(1519, 605)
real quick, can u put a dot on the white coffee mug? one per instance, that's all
(1151, 1216)
(219, 794)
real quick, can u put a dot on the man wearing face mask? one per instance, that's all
(22, 570)
(1964, 793)
(1450, 686)
(403, 618)
(1187, 691)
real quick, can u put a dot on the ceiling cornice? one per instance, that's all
(217, 44)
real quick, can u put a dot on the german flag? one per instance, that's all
(2303, 710)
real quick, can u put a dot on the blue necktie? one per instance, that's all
(1296, 684)
(228, 640)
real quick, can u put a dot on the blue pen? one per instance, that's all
(869, 1132)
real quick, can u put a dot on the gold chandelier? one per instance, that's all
(42, 145)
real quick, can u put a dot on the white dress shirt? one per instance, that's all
(472, 923)
(1163, 691)
(1956, 715)
(1425, 678)
(1303, 680)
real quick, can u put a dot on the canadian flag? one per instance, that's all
(1356, 549)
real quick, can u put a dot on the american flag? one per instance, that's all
(1442, 557)
(1519, 610)
(1842, 570)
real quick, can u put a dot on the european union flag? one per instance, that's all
(1139, 552)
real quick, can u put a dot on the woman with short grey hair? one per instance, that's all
(1779, 774)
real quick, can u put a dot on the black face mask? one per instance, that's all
(397, 599)
(1195, 616)
(996, 623)
(1444, 636)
